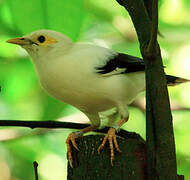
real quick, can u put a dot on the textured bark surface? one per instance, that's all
(89, 165)
(161, 156)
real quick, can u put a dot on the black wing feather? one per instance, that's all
(131, 63)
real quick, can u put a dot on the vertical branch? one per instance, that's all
(35, 164)
(153, 38)
(161, 157)
(160, 138)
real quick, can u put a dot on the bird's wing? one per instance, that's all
(121, 63)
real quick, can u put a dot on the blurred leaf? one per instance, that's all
(187, 3)
(65, 16)
(32, 15)
(183, 162)
(52, 108)
(20, 80)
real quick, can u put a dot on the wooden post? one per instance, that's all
(131, 164)
(128, 165)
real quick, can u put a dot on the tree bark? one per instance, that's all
(130, 164)
(161, 156)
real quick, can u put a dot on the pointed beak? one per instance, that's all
(20, 41)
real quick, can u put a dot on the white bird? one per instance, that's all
(94, 79)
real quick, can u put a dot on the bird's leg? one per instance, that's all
(111, 137)
(71, 140)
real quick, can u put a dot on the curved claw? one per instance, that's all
(71, 138)
(111, 137)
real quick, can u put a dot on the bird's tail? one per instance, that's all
(173, 80)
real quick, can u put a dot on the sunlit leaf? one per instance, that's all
(32, 15)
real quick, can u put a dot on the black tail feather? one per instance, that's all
(173, 80)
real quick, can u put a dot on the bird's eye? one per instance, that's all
(41, 39)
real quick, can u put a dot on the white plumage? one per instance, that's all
(72, 79)
(91, 78)
(67, 71)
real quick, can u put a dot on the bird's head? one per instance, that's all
(43, 42)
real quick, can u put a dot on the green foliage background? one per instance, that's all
(101, 22)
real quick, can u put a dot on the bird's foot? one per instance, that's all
(111, 137)
(71, 138)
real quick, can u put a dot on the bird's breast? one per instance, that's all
(75, 88)
(77, 84)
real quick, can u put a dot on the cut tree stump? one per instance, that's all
(130, 164)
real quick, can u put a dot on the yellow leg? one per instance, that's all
(111, 137)
(71, 140)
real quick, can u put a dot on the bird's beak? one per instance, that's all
(20, 41)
